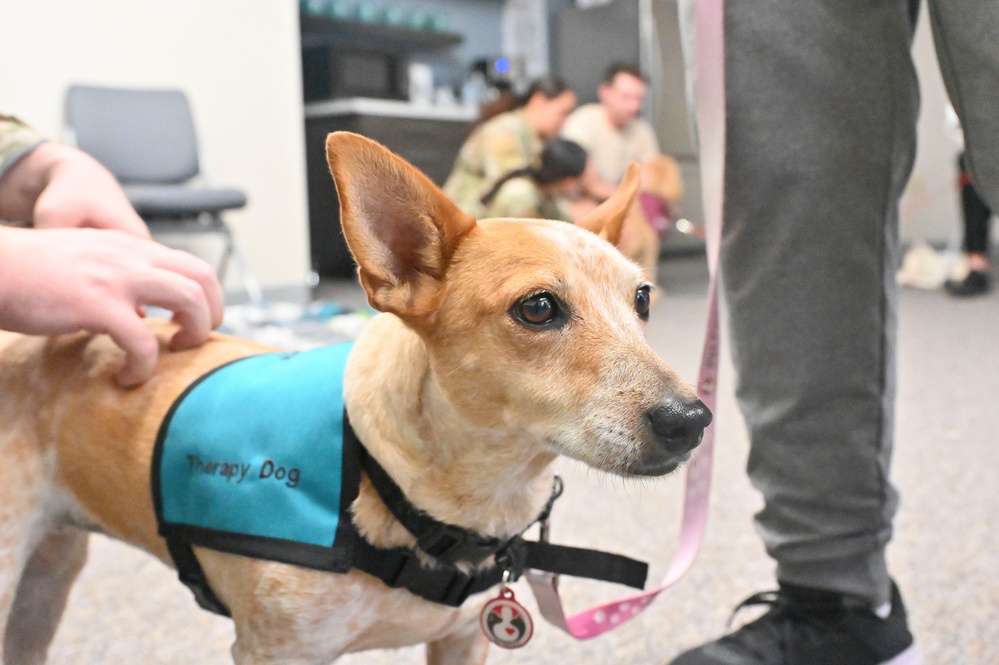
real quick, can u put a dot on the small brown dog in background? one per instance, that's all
(642, 236)
(502, 344)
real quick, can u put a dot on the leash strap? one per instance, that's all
(709, 68)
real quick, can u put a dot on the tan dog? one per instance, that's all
(503, 344)
(640, 240)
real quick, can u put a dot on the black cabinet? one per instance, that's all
(431, 145)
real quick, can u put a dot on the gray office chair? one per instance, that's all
(146, 138)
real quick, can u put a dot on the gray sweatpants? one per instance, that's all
(822, 106)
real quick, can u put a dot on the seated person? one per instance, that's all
(511, 140)
(537, 191)
(614, 135)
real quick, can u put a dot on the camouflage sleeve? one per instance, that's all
(518, 197)
(16, 140)
(503, 149)
(465, 182)
(499, 146)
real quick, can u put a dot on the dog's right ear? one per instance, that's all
(400, 227)
(607, 219)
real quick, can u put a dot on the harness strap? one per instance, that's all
(592, 564)
(450, 544)
(447, 584)
(401, 568)
(192, 575)
(446, 542)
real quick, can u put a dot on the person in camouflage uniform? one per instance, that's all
(509, 141)
(536, 192)
(89, 262)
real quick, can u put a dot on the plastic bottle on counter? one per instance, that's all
(473, 90)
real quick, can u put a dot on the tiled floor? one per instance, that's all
(128, 608)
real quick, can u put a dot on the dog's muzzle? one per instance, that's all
(678, 426)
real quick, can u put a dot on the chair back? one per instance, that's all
(141, 136)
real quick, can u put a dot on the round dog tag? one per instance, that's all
(505, 621)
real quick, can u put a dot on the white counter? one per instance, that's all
(389, 108)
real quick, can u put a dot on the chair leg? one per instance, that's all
(227, 249)
(250, 281)
(232, 252)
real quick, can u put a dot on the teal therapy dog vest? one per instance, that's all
(251, 460)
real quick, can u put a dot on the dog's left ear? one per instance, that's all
(607, 219)
(400, 227)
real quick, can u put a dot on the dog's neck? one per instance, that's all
(457, 470)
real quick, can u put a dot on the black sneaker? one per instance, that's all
(975, 283)
(812, 627)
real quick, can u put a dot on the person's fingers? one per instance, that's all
(139, 344)
(183, 296)
(190, 335)
(195, 269)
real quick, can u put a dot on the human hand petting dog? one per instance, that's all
(90, 263)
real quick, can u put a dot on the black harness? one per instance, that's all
(442, 582)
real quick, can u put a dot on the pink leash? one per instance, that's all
(710, 97)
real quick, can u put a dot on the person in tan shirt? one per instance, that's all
(611, 131)
(614, 135)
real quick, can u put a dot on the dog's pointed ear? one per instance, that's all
(607, 219)
(400, 227)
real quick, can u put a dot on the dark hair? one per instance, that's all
(548, 86)
(623, 68)
(560, 159)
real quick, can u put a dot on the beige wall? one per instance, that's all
(238, 62)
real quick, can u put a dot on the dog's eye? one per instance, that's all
(642, 300)
(539, 309)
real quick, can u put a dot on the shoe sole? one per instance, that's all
(910, 656)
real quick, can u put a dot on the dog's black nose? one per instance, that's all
(679, 426)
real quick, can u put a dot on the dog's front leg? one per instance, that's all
(465, 646)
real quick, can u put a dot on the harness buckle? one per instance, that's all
(512, 559)
(453, 544)
(449, 587)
